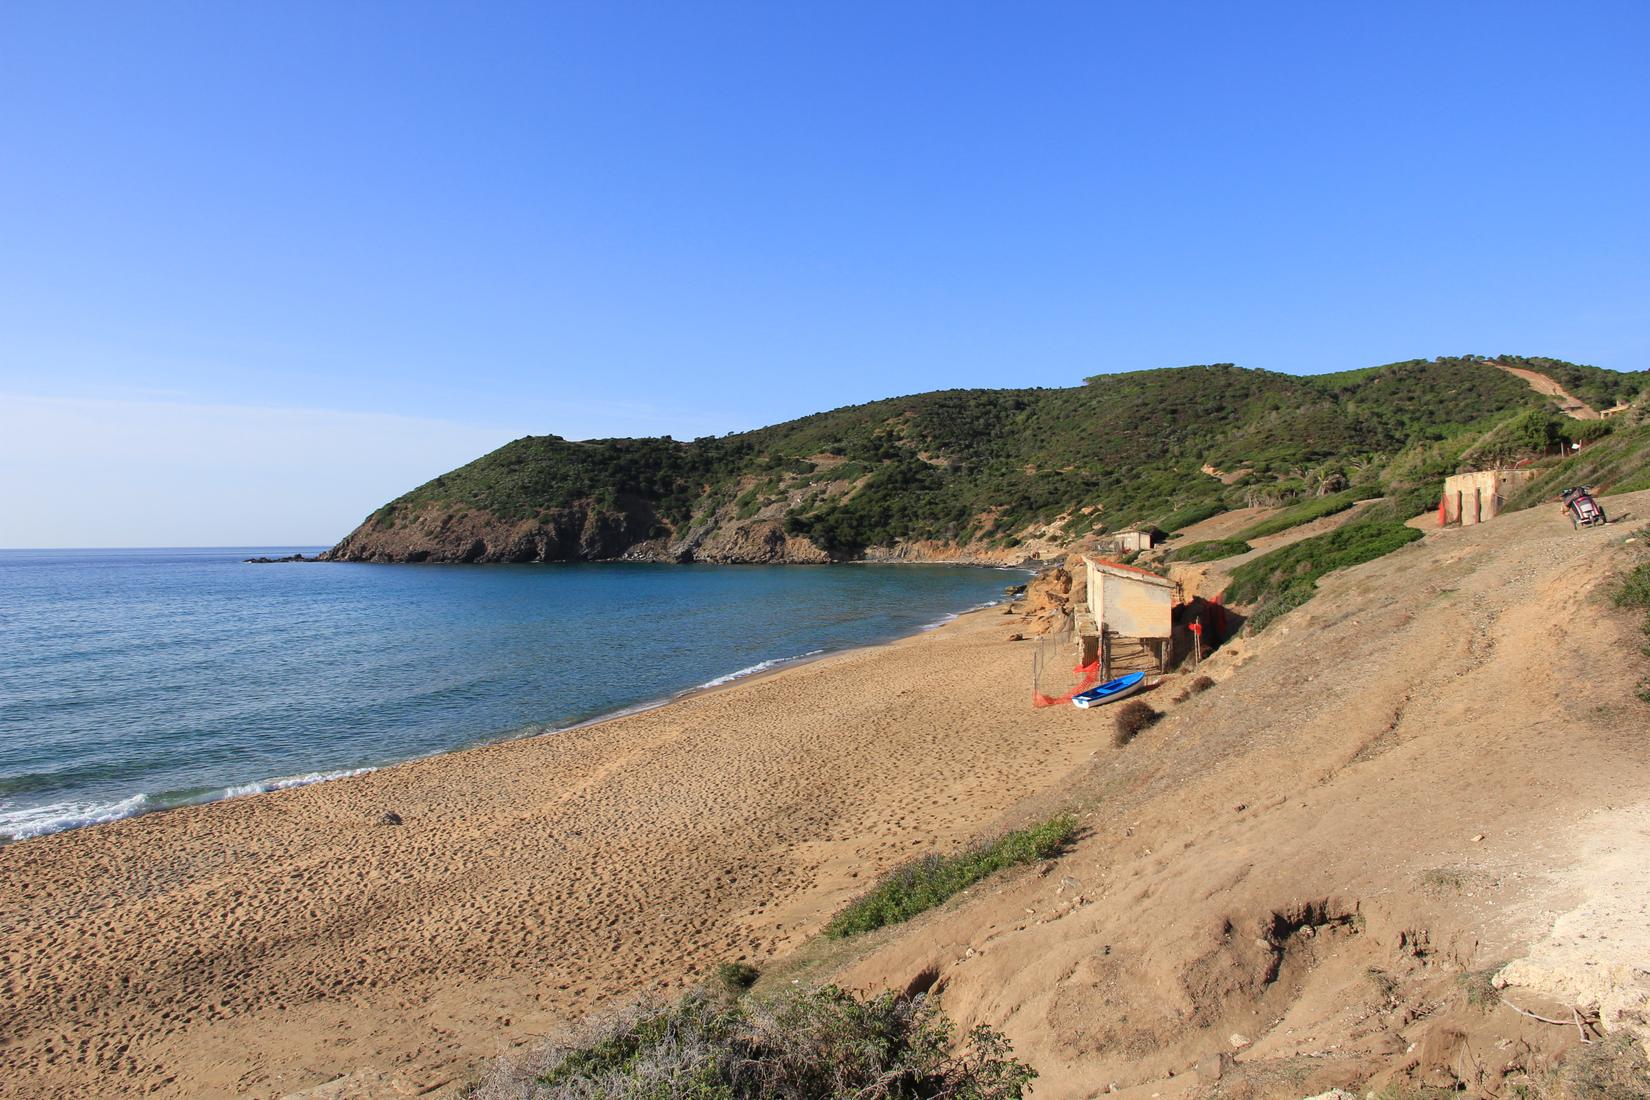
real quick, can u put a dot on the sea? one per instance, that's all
(138, 680)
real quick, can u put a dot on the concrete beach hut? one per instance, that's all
(1128, 621)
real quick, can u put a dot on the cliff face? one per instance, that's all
(438, 534)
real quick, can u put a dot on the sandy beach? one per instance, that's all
(269, 944)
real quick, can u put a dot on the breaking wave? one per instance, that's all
(760, 666)
(33, 821)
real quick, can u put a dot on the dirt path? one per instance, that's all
(1569, 405)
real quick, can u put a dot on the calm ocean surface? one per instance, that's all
(132, 680)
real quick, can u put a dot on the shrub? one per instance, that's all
(1132, 717)
(736, 976)
(1480, 989)
(1280, 605)
(1193, 513)
(1407, 502)
(818, 1044)
(1201, 684)
(1634, 590)
(1607, 1069)
(1287, 577)
(1211, 550)
(1307, 511)
(921, 885)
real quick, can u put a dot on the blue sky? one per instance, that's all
(274, 263)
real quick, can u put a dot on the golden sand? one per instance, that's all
(269, 944)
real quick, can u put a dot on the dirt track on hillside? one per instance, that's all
(1572, 406)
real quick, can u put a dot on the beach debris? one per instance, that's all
(389, 817)
(1016, 637)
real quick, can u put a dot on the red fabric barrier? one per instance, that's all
(1089, 675)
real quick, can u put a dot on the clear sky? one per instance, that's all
(265, 265)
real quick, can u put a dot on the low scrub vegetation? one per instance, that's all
(1132, 717)
(1198, 685)
(1634, 592)
(1195, 513)
(1608, 1069)
(823, 1044)
(735, 976)
(1618, 463)
(1288, 576)
(927, 882)
(1212, 550)
(1306, 512)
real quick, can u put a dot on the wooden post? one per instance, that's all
(1105, 655)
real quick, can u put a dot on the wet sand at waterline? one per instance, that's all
(269, 944)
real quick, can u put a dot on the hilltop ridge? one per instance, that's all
(977, 475)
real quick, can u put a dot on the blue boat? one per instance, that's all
(1110, 691)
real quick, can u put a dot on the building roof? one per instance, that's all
(1128, 572)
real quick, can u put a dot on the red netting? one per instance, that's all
(1088, 676)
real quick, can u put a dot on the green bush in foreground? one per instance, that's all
(1212, 550)
(1634, 591)
(737, 976)
(1287, 577)
(927, 882)
(823, 1044)
(1635, 588)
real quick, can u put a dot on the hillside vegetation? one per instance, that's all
(976, 472)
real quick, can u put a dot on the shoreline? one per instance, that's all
(272, 942)
(96, 815)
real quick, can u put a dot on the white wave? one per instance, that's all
(760, 666)
(954, 616)
(286, 781)
(40, 820)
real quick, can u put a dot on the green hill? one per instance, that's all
(970, 472)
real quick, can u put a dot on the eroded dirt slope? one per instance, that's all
(1310, 875)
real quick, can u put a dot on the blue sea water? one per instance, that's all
(133, 680)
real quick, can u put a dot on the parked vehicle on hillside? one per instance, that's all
(1582, 509)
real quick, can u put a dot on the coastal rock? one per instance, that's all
(760, 542)
(585, 532)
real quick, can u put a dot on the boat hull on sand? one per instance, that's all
(1110, 691)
